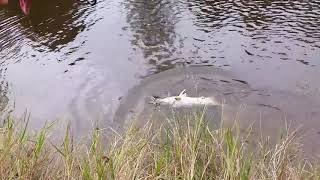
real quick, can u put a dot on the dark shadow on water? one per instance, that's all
(49, 27)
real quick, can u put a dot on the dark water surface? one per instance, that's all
(75, 61)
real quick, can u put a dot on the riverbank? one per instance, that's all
(182, 148)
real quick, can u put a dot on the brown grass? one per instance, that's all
(183, 149)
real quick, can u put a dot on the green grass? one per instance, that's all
(181, 148)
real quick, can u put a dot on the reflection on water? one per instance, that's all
(153, 26)
(57, 22)
(4, 99)
(69, 57)
(50, 27)
(269, 30)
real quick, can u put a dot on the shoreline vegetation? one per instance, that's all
(181, 148)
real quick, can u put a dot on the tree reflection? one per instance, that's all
(153, 25)
(59, 21)
(289, 17)
(50, 23)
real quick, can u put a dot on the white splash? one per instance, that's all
(184, 101)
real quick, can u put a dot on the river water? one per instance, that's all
(71, 60)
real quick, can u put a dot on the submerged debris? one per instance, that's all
(182, 100)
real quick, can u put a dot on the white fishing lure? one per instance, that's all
(184, 101)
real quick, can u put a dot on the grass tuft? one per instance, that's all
(181, 148)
